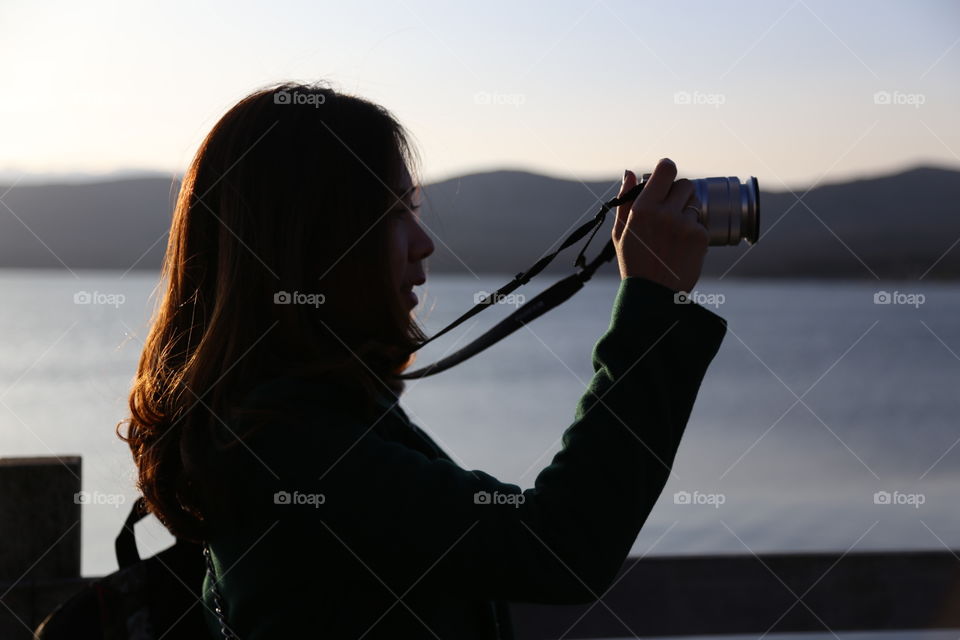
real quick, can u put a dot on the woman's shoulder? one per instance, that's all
(307, 402)
(295, 392)
(284, 424)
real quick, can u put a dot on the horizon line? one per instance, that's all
(77, 178)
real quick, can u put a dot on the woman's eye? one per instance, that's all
(405, 207)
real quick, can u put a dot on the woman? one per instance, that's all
(265, 418)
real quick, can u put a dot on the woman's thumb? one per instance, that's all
(623, 210)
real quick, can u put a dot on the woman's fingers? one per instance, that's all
(661, 239)
(680, 195)
(623, 210)
(658, 186)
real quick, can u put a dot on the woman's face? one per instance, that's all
(409, 244)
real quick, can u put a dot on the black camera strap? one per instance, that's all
(556, 294)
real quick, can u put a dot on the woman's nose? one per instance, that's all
(421, 245)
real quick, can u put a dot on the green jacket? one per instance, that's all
(348, 529)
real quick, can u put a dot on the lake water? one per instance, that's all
(878, 385)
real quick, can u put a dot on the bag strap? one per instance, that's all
(125, 545)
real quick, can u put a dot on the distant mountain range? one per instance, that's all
(894, 226)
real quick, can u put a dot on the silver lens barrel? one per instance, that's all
(729, 209)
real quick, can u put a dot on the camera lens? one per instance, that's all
(729, 210)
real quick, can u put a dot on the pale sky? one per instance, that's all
(783, 90)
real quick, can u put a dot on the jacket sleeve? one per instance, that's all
(410, 519)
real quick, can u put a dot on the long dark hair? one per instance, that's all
(286, 195)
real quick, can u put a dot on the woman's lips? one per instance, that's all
(411, 296)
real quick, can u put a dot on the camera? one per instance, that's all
(729, 209)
